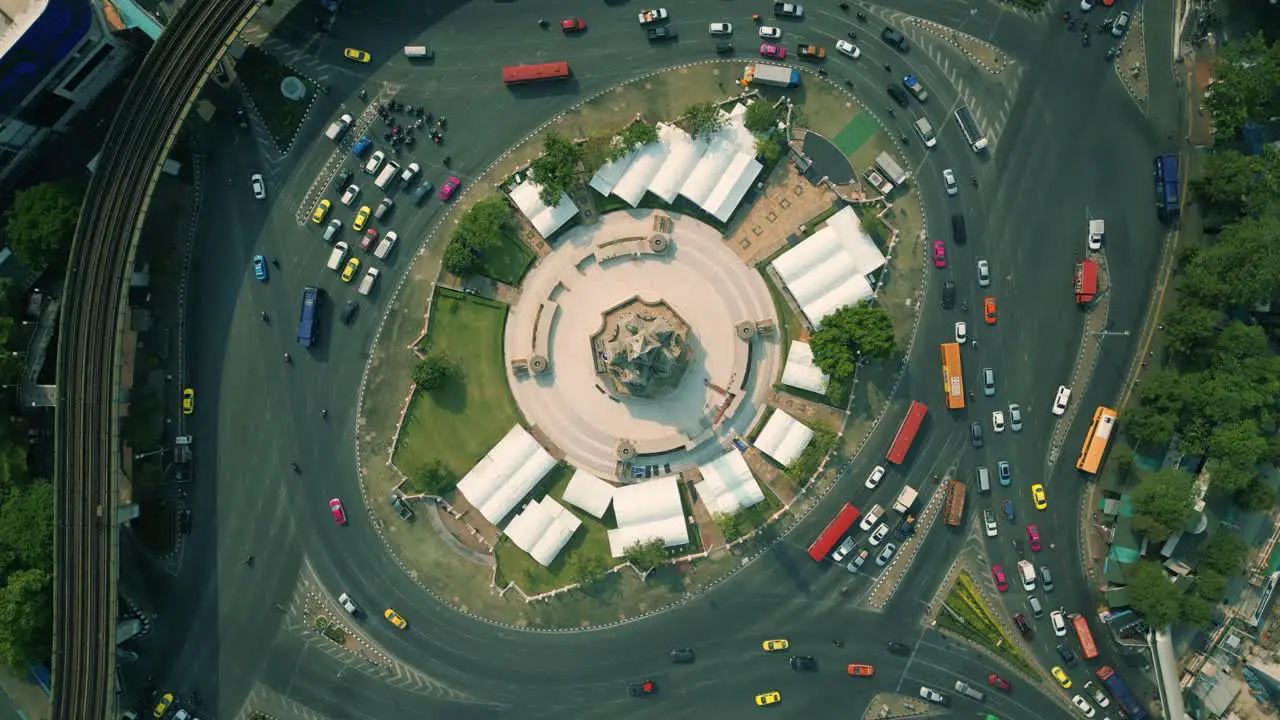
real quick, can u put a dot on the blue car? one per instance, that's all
(1002, 469)
(260, 267)
(363, 144)
(1007, 507)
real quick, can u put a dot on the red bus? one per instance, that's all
(907, 432)
(515, 74)
(835, 530)
(1086, 282)
(1089, 649)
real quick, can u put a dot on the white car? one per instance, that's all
(962, 332)
(1086, 5)
(878, 535)
(989, 522)
(410, 173)
(375, 162)
(348, 197)
(1084, 706)
(872, 517)
(845, 548)
(932, 695)
(847, 48)
(984, 273)
(259, 186)
(1061, 399)
(1059, 622)
(886, 554)
(721, 28)
(1121, 25)
(348, 604)
(949, 179)
(874, 478)
(1015, 417)
(1098, 696)
(770, 33)
(997, 421)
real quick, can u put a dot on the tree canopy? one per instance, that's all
(556, 169)
(762, 117)
(1245, 75)
(41, 222)
(1151, 594)
(434, 478)
(646, 556)
(635, 135)
(431, 372)
(848, 333)
(481, 227)
(700, 120)
(1162, 503)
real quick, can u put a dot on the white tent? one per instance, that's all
(607, 177)
(644, 167)
(727, 484)
(682, 157)
(589, 493)
(543, 529)
(783, 438)
(503, 477)
(645, 511)
(828, 269)
(546, 220)
(800, 372)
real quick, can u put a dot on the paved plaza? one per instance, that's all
(699, 276)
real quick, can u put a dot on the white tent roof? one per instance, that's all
(682, 157)
(733, 185)
(800, 372)
(650, 509)
(727, 484)
(783, 438)
(610, 173)
(588, 492)
(546, 220)
(503, 477)
(543, 529)
(644, 167)
(828, 270)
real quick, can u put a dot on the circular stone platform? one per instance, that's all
(561, 303)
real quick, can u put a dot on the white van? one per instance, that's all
(984, 480)
(387, 175)
(370, 277)
(1028, 575)
(337, 256)
(418, 52)
(925, 131)
(384, 247)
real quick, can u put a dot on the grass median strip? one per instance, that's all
(965, 613)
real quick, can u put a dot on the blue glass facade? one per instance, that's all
(57, 31)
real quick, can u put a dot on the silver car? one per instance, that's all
(984, 273)
(1015, 417)
(933, 696)
(988, 382)
(886, 554)
(845, 548)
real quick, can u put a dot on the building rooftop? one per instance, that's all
(16, 17)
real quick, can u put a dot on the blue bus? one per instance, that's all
(310, 316)
(1166, 186)
(1123, 695)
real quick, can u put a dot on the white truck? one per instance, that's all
(337, 256)
(384, 246)
(905, 499)
(338, 128)
(366, 284)
(389, 172)
(648, 17)
(1097, 230)
(890, 168)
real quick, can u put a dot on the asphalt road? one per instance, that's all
(1072, 143)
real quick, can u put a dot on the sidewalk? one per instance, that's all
(21, 698)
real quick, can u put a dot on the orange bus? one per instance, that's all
(1084, 636)
(952, 376)
(516, 74)
(1095, 443)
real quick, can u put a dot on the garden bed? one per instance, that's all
(261, 75)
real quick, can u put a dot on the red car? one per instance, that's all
(446, 190)
(335, 509)
(998, 682)
(370, 237)
(773, 51)
(1002, 582)
(989, 310)
(939, 254)
(573, 25)
(1033, 537)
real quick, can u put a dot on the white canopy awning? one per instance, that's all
(800, 372)
(727, 484)
(647, 510)
(783, 438)
(589, 493)
(546, 220)
(828, 270)
(543, 529)
(503, 477)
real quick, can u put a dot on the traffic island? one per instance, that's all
(268, 83)
(965, 613)
(889, 706)
(1131, 59)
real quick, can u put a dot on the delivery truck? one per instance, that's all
(775, 75)
(890, 168)
(905, 500)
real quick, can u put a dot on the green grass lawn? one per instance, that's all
(260, 73)
(463, 420)
(969, 616)
(793, 327)
(507, 260)
(592, 538)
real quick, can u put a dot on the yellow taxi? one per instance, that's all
(353, 267)
(775, 645)
(162, 707)
(769, 698)
(322, 210)
(362, 217)
(1061, 677)
(359, 56)
(1037, 496)
(395, 619)
(188, 401)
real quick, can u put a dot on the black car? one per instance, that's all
(803, 662)
(343, 180)
(662, 33)
(958, 230)
(898, 648)
(348, 312)
(423, 192)
(894, 38)
(898, 94)
(724, 47)
(682, 655)
(1024, 627)
(640, 689)
(975, 434)
(1068, 657)
(948, 294)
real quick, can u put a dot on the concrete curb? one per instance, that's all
(950, 36)
(1138, 18)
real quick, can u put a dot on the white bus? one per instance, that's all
(971, 131)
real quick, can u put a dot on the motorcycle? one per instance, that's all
(852, 35)
(822, 72)
(1111, 54)
(1084, 40)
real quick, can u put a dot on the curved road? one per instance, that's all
(1071, 140)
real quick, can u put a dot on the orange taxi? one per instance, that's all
(861, 670)
(989, 310)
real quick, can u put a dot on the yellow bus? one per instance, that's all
(1095, 443)
(952, 376)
